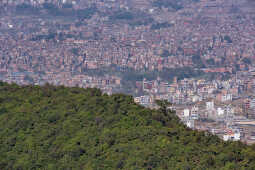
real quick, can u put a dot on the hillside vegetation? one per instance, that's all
(72, 128)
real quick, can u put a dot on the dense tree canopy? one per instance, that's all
(72, 128)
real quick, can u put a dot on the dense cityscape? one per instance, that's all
(225, 108)
(197, 54)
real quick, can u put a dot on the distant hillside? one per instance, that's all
(72, 128)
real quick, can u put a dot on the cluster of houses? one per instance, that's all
(229, 104)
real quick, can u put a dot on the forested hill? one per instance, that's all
(72, 128)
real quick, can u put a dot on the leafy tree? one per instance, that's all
(247, 60)
(48, 127)
(210, 61)
(228, 39)
(196, 59)
(165, 53)
(157, 26)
